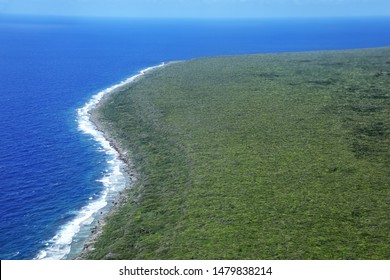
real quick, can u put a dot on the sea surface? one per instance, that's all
(57, 173)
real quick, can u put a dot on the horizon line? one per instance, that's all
(188, 17)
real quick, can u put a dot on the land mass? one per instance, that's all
(271, 156)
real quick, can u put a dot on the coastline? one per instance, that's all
(121, 155)
(75, 238)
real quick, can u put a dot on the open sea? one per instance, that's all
(57, 173)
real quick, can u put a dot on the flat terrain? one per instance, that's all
(275, 156)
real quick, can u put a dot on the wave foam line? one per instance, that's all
(115, 180)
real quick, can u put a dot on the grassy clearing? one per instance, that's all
(281, 156)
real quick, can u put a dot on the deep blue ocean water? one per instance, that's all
(50, 67)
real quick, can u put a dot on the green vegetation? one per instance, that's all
(276, 156)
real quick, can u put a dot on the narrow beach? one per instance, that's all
(102, 135)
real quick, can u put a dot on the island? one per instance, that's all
(266, 156)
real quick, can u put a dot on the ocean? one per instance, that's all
(57, 173)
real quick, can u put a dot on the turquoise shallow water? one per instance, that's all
(51, 172)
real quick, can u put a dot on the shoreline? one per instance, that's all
(75, 238)
(121, 155)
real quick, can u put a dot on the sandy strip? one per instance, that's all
(121, 153)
